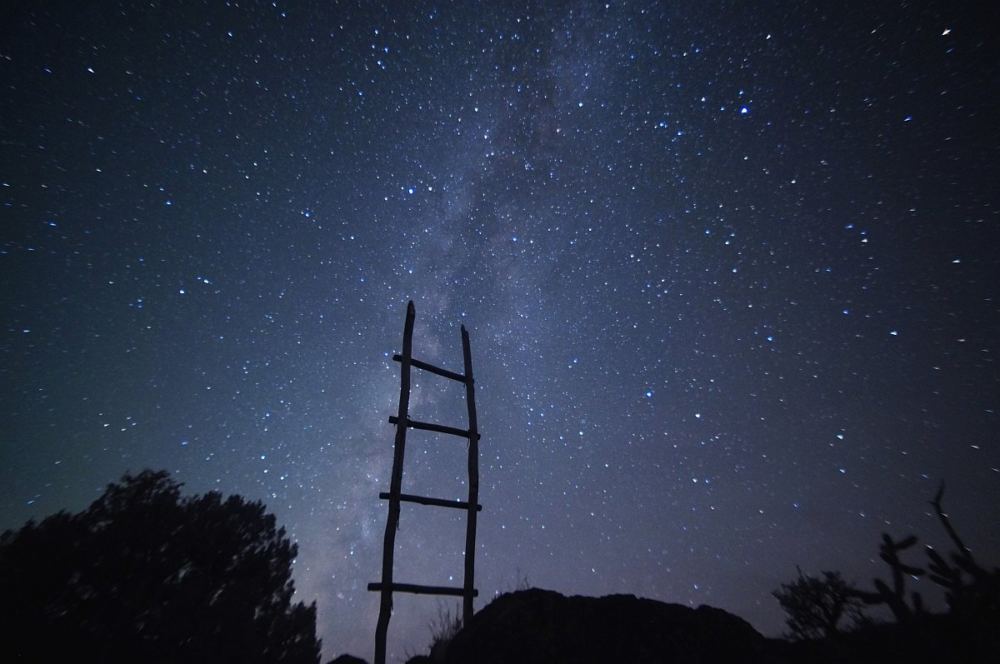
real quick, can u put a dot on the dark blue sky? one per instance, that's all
(730, 272)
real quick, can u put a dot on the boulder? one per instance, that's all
(544, 627)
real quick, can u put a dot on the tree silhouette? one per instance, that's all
(815, 606)
(144, 575)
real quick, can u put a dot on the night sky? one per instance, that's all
(731, 273)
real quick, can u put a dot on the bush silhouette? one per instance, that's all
(144, 575)
(966, 632)
(816, 606)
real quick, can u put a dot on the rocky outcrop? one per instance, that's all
(347, 659)
(543, 627)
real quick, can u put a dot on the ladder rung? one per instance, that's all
(437, 502)
(428, 426)
(431, 368)
(422, 590)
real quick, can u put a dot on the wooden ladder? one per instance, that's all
(395, 496)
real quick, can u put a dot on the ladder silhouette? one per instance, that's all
(395, 496)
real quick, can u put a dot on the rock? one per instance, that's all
(347, 659)
(544, 627)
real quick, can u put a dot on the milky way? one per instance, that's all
(730, 272)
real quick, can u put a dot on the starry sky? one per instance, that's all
(730, 272)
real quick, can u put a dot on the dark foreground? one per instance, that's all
(543, 627)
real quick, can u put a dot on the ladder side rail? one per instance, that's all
(395, 487)
(470, 530)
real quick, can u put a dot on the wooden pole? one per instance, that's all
(470, 529)
(395, 488)
(421, 590)
(428, 426)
